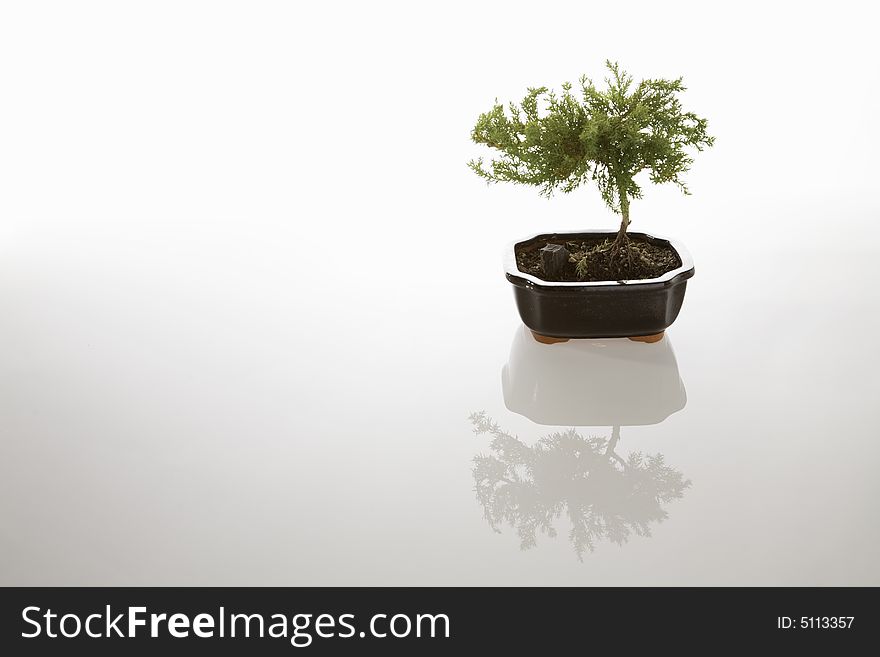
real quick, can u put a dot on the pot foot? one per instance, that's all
(648, 338)
(546, 339)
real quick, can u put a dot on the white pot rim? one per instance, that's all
(511, 268)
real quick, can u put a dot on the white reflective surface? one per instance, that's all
(228, 425)
(239, 348)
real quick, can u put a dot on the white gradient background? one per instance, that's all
(211, 374)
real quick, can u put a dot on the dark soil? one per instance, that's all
(598, 261)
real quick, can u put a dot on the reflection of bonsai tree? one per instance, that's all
(603, 495)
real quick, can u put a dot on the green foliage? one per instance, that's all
(558, 142)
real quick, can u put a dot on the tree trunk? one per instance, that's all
(612, 445)
(621, 242)
(624, 215)
(615, 438)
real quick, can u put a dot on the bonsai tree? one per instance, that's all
(603, 495)
(559, 142)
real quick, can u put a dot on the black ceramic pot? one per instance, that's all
(606, 309)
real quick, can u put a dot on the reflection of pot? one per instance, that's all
(613, 382)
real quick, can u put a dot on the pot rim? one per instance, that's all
(511, 269)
